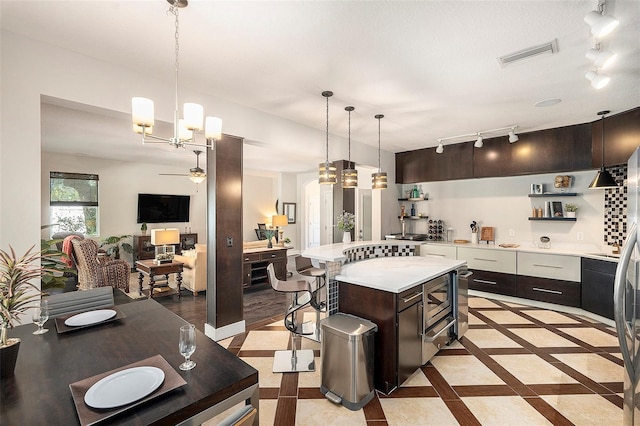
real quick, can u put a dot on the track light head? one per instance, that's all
(601, 25)
(598, 81)
(478, 143)
(512, 136)
(601, 59)
(440, 148)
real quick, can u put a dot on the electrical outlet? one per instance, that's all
(580, 236)
(512, 232)
(229, 241)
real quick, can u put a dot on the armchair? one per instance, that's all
(99, 272)
(194, 270)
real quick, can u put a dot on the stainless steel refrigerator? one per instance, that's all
(626, 298)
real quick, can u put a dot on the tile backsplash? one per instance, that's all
(615, 207)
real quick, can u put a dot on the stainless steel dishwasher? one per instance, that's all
(409, 305)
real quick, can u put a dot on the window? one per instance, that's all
(73, 202)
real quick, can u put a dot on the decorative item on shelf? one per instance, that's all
(350, 174)
(278, 221)
(327, 170)
(436, 230)
(537, 188)
(143, 228)
(346, 223)
(571, 209)
(562, 182)
(474, 232)
(556, 209)
(487, 233)
(413, 210)
(164, 240)
(184, 130)
(379, 179)
(16, 295)
(269, 234)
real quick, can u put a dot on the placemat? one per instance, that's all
(61, 327)
(92, 416)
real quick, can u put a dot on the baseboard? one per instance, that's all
(224, 332)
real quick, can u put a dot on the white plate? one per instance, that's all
(91, 317)
(124, 387)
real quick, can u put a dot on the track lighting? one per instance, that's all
(598, 81)
(479, 139)
(512, 135)
(601, 24)
(601, 58)
(478, 143)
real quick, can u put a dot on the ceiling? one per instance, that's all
(429, 66)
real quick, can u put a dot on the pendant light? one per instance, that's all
(379, 180)
(349, 175)
(603, 178)
(327, 170)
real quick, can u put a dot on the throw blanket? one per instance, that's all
(67, 249)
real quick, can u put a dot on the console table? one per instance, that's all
(143, 249)
(255, 262)
(152, 269)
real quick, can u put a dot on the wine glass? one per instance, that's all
(40, 316)
(187, 345)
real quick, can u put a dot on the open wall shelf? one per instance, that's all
(557, 219)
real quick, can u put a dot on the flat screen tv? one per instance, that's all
(159, 208)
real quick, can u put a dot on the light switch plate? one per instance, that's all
(229, 241)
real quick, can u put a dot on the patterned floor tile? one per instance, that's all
(412, 411)
(504, 317)
(504, 410)
(465, 370)
(474, 320)
(542, 338)
(550, 317)
(480, 302)
(593, 366)
(586, 410)
(531, 369)
(322, 412)
(592, 336)
(490, 339)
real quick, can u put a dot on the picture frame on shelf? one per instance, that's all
(537, 188)
(556, 209)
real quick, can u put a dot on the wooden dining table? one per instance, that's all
(39, 392)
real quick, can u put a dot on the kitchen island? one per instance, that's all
(416, 305)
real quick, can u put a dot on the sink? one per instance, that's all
(407, 236)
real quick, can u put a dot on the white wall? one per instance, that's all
(504, 204)
(118, 188)
(258, 202)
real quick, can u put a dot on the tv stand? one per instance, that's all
(144, 250)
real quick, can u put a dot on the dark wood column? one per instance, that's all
(224, 233)
(343, 199)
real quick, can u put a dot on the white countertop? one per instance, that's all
(396, 274)
(591, 251)
(335, 252)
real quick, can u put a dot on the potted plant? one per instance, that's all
(269, 234)
(346, 223)
(143, 228)
(114, 244)
(571, 209)
(16, 293)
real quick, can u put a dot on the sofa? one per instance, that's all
(194, 273)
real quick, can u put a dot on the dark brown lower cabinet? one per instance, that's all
(255, 265)
(493, 282)
(546, 290)
(597, 286)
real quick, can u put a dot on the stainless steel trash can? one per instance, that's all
(347, 360)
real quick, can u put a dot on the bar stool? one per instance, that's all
(293, 360)
(305, 267)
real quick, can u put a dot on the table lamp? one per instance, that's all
(278, 221)
(163, 240)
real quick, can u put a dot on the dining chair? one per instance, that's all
(295, 360)
(79, 301)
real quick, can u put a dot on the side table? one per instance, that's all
(152, 270)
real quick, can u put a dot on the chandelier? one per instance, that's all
(379, 179)
(327, 170)
(350, 174)
(184, 129)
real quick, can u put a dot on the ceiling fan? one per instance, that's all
(196, 174)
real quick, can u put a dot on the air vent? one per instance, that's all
(551, 47)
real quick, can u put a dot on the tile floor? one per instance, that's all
(517, 365)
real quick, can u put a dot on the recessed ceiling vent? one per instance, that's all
(551, 47)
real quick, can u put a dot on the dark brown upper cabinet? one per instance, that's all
(621, 138)
(425, 165)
